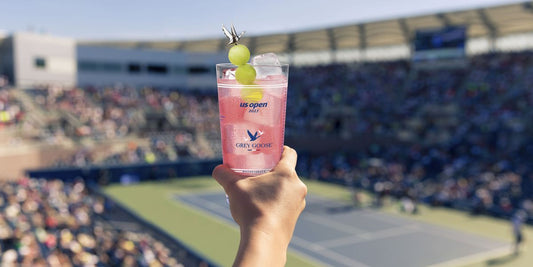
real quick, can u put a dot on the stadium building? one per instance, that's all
(28, 59)
(423, 111)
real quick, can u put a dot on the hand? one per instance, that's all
(266, 207)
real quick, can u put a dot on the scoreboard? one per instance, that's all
(439, 44)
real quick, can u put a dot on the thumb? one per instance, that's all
(225, 176)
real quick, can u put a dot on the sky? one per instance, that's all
(202, 19)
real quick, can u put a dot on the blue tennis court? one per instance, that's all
(332, 233)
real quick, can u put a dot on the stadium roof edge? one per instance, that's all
(490, 22)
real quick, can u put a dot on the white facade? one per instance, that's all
(207, 61)
(42, 59)
(101, 66)
(29, 59)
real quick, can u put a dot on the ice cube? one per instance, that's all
(257, 161)
(253, 161)
(266, 65)
(229, 74)
(266, 59)
(276, 85)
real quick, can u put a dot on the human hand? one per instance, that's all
(266, 207)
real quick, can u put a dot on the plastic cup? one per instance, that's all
(252, 118)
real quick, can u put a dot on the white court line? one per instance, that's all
(219, 207)
(360, 235)
(298, 241)
(306, 244)
(327, 253)
(378, 215)
(391, 232)
(442, 231)
(332, 224)
(205, 212)
(457, 236)
(211, 205)
(474, 258)
(365, 237)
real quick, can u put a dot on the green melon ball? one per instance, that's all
(245, 74)
(239, 55)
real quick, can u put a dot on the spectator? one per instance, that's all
(51, 223)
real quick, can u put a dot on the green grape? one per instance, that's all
(239, 55)
(245, 74)
(251, 94)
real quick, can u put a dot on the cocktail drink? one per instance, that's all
(252, 116)
(252, 100)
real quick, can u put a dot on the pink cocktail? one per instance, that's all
(252, 119)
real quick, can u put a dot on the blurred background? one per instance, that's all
(415, 114)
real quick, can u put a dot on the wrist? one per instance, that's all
(272, 228)
(268, 247)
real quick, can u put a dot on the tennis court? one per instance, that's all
(332, 233)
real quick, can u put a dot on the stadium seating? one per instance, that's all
(461, 136)
(469, 141)
(53, 223)
(11, 111)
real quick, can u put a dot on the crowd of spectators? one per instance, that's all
(11, 111)
(182, 121)
(117, 111)
(52, 223)
(432, 176)
(465, 131)
(471, 145)
(161, 147)
(359, 98)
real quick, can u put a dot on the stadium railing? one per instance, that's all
(129, 173)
